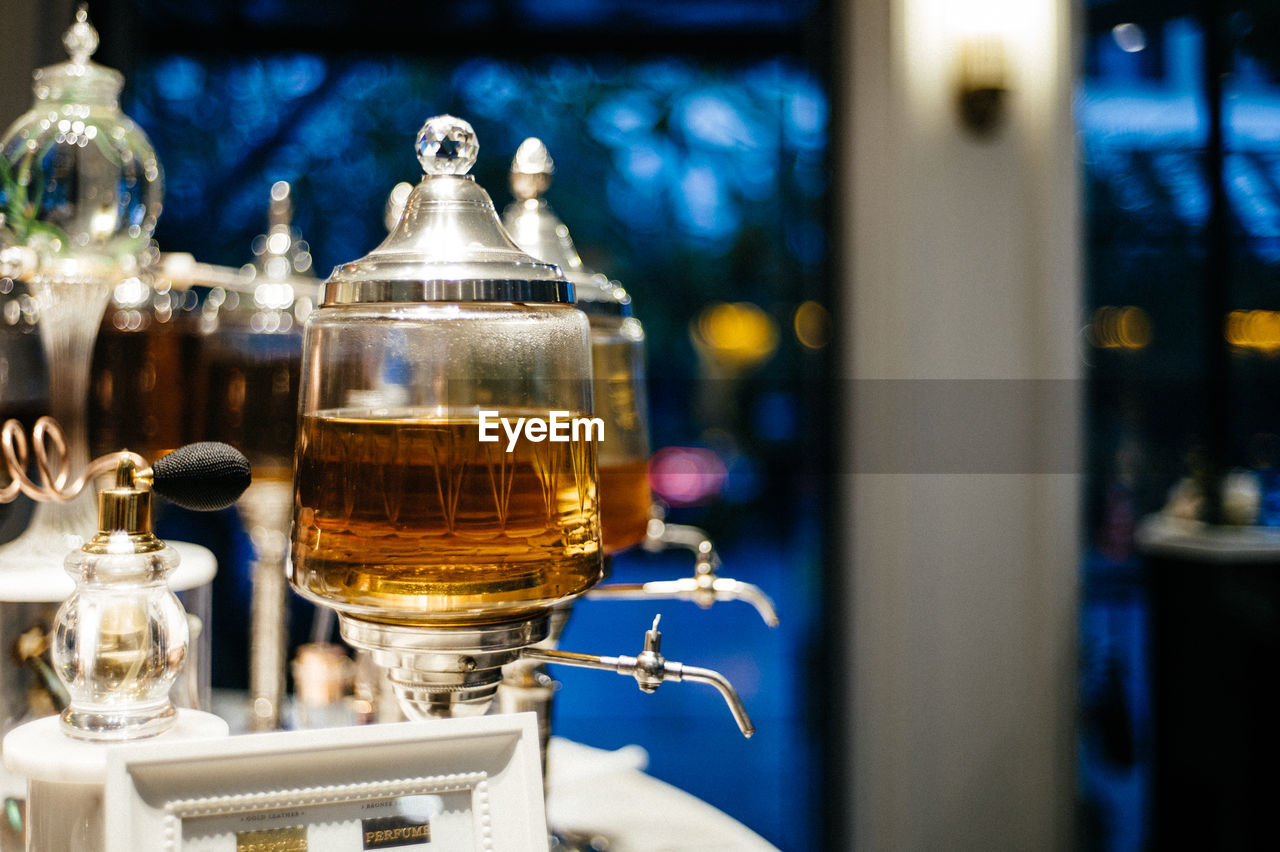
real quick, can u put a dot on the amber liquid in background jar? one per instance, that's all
(251, 403)
(139, 398)
(625, 503)
(625, 500)
(403, 517)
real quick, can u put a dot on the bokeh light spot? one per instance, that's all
(812, 325)
(737, 335)
(685, 476)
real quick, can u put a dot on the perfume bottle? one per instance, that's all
(121, 638)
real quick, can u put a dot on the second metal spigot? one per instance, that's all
(704, 588)
(651, 670)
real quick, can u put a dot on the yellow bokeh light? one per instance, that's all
(1256, 330)
(1127, 327)
(737, 334)
(813, 325)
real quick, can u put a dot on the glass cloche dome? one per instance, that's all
(78, 179)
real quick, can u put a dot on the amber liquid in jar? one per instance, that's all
(139, 393)
(411, 518)
(625, 502)
(251, 401)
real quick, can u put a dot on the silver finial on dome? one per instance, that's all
(446, 145)
(81, 39)
(531, 169)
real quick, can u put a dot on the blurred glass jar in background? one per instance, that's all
(24, 390)
(140, 389)
(617, 351)
(250, 333)
(80, 191)
(79, 180)
(248, 372)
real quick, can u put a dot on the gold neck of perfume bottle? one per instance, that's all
(124, 509)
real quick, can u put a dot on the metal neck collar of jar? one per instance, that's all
(448, 245)
(442, 671)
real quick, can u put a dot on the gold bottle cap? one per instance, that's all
(125, 508)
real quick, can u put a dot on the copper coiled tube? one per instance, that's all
(53, 483)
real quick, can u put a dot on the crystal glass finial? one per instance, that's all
(81, 39)
(531, 169)
(446, 146)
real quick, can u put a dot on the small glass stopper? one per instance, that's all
(446, 146)
(531, 169)
(81, 39)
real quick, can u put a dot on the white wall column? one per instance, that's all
(962, 296)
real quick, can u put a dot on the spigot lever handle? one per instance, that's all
(650, 669)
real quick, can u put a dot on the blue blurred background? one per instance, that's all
(1179, 116)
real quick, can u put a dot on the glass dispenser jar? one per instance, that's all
(432, 510)
(629, 515)
(80, 181)
(617, 350)
(80, 191)
(250, 355)
(139, 393)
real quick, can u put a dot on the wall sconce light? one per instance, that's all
(981, 90)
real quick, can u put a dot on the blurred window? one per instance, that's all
(1180, 139)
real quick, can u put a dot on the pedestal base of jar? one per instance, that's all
(443, 672)
(65, 778)
(527, 687)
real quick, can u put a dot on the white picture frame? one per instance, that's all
(470, 784)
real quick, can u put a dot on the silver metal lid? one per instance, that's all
(448, 245)
(538, 230)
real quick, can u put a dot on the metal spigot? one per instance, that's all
(651, 669)
(704, 588)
